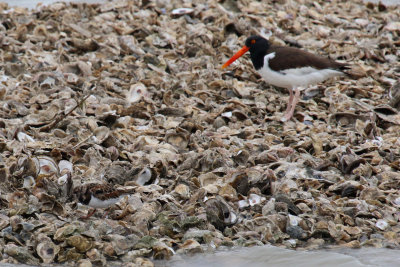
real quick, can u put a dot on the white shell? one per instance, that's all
(381, 224)
(65, 165)
(254, 199)
(227, 114)
(63, 179)
(23, 137)
(182, 11)
(397, 201)
(48, 82)
(136, 92)
(47, 165)
(294, 220)
(243, 203)
(292, 242)
(378, 141)
(29, 182)
(100, 134)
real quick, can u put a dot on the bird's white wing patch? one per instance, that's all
(102, 204)
(268, 57)
(300, 71)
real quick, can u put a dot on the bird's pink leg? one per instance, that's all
(289, 106)
(289, 115)
(90, 213)
(290, 101)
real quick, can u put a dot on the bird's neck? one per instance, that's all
(257, 57)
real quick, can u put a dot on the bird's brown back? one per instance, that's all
(290, 58)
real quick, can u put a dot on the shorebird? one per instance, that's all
(99, 196)
(288, 67)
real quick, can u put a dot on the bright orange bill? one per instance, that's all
(236, 56)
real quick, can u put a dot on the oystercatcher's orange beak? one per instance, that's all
(236, 56)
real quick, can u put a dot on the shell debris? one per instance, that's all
(131, 94)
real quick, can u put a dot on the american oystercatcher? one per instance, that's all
(288, 67)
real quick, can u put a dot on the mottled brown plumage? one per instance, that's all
(99, 195)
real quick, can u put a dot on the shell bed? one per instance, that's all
(131, 93)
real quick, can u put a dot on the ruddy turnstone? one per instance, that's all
(99, 196)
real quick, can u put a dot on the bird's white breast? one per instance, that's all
(296, 77)
(102, 204)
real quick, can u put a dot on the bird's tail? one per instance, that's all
(353, 71)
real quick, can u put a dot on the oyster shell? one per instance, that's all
(47, 251)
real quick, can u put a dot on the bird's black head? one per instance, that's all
(257, 43)
(258, 47)
(82, 194)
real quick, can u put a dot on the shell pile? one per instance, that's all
(131, 93)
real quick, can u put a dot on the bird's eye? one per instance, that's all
(253, 41)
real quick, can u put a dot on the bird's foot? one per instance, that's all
(287, 117)
(106, 213)
(90, 213)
